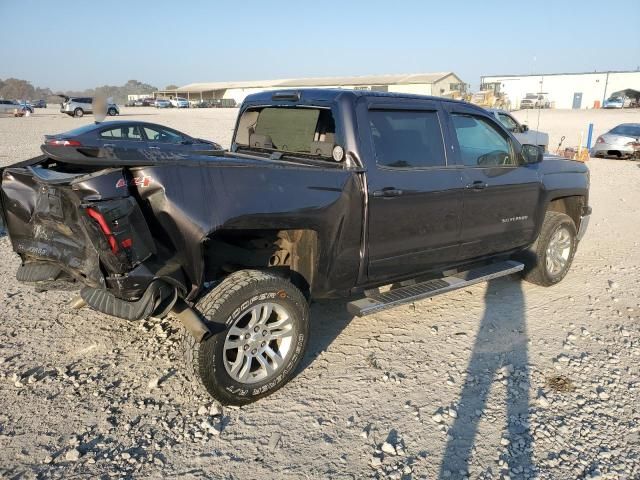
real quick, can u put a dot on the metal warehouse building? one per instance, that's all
(567, 90)
(421, 83)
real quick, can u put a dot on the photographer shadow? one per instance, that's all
(499, 357)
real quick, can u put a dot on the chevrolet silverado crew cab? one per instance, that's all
(323, 193)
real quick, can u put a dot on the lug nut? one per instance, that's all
(247, 336)
(246, 347)
(263, 344)
(256, 329)
(265, 333)
(254, 351)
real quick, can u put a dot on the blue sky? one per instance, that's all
(69, 44)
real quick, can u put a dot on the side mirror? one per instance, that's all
(531, 154)
(524, 128)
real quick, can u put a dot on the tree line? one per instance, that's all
(18, 89)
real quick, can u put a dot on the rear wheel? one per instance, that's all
(78, 112)
(112, 112)
(260, 323)
(550, 257)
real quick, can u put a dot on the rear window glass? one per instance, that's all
(407, 139)
(296, 130)
(633, 130)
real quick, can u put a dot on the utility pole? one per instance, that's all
(606, 83)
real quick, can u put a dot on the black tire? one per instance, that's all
(112, 112)
(535, 258)
(225, 307)
(78, 112)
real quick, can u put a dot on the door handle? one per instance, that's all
(108, 145)
(477, 185)
(154, 148)
(387, 192)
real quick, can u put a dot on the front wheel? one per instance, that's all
(550, 257)
(261, 324)
(112, 112)
(78, 112)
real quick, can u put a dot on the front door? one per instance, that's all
(577, 101)
(415, 193)
(502, 194)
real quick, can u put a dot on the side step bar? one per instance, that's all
(376, 301)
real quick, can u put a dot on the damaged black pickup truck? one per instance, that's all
(324, 193)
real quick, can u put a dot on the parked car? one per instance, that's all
(26, 106)
(622, 141)
(11, 107)
(421, 196)
(78, 106)
(521, 131)
(40, 103)
(535, 100)
(162, 103)
(617, 102)
(149, 102)
(202, 104)
(179, 102)
(123, 139)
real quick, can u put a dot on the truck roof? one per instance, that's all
(331, 94)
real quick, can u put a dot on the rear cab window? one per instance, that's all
(308, 132)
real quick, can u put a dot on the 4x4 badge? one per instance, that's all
(141, 181)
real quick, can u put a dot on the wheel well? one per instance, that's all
(571, 206)
(290, 253)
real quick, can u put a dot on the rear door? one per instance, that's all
(502, 195)
(125, 141)
(414, 189)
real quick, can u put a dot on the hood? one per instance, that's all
(613, 139)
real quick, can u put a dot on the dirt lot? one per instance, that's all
(521, 381)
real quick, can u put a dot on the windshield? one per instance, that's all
(307, 131)
(531, 95)
(629, 130)
(614, 99)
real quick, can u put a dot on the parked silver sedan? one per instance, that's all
(622, 141)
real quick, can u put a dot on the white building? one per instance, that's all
(567, 90)
(420, 83)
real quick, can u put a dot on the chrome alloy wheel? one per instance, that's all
(258, 343)
(558, 251)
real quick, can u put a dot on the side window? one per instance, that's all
(481, 144)
(122, 133)
(407, 138)
(508, 122)
(162, 135)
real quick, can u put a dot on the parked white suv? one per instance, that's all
(535, 100)
(179, 102)
(78, 106)
(521, 131)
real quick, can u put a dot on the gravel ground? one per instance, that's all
(504, 380)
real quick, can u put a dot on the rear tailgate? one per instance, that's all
(86, 224)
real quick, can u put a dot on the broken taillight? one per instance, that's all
(104, 226)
